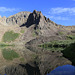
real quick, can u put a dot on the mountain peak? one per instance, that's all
(35, 11)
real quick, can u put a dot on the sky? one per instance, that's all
(60, 11)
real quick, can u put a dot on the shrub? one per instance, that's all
(22, 31)
(5, 44)
(71, 37)
(61, 33)
(61, 44)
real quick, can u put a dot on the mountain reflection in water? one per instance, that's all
(63, 70)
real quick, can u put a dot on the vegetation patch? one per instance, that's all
(72, 37)
(21, 59)
(34, 55)
(34, 34)
(57, 45)
(10, 36)
(38, 30)
(61, 33)
(6, 44)
(22, 31)
(9, 54)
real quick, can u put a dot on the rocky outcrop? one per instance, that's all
(18, 19)
(42, 25)
(34, 18)
(38, 25)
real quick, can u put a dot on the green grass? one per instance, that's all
(34, 34)
(22, 31)
(10, 36)
(57, 45)
(38, 30)
(5, 44)
(61, 33)
(21, 59)
(61, 43)
(72, 37)
(34, 55)
(9, 54)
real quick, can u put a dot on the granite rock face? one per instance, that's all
(18, 19)
(36, 21)
(38, 25)
(43, 25)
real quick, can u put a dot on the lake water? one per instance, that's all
(24, 54)
(63, 70)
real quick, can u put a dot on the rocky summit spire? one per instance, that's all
(34, 18)
(37, 18)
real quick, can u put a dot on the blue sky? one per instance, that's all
(60, 11)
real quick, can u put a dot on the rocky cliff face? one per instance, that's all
(42, 25)
(17, 19)
(36, 25)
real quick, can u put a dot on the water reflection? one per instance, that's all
(10, 55)
(42, 57)
(63, 70)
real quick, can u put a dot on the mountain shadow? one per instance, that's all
(34, 18)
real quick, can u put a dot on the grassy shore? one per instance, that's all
(60, 44)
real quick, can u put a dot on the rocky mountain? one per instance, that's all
(36, 25)
(41, 23)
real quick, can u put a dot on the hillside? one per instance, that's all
(34, 25)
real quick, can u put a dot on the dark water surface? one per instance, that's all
(63, 70)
